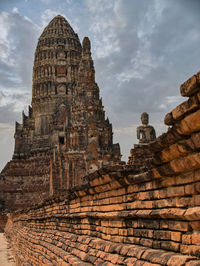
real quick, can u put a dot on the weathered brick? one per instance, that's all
(179, 226)
(187, 239)
(177, 260)
(130, 261)
(190, 86)
(196, 238)
(190, 189)
(192, 213)
(136, 252)
(193, 263)
(190, 105)
(195, 225)
(176, 236)
(193, 250)
(159, 234)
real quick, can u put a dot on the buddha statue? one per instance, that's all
(145, 132)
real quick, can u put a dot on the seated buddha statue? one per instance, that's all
(145, 133)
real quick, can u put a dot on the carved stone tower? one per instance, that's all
(65, 130)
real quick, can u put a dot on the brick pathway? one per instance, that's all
(6, 258)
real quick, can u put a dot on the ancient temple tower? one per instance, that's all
(56, 62)
(65, 135)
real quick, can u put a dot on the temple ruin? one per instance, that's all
(65, 135)
(67, 197)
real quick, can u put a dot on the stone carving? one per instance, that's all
(145, 133)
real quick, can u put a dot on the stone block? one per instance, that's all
(193, 263)
(184, 108)
(168, 120)
(191, 86)
(136, 252)
(130, 261)
(196, 238)
(177, 260)
(176, 236)
(179, 226)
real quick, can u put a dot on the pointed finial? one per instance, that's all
(86, 45)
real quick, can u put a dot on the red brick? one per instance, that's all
(176, 236)
(146, 242)
(130, 261)
(193, 263)
(184, 178)
(193, 250)
(192, 213)
(196, 199)
(175, 191)
(190, 189)
(187, 239)
(197, 187)
(169, 245)
(195, 225)
(196, 238)
(177, 260)
(183, 201)
(160, 235)
(136, 252)
(179, 226)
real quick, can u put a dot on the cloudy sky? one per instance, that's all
(142, 49)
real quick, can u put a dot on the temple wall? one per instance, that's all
(24, 182)
(125, 216)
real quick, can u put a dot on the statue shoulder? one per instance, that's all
(151, 127)
(140, 127)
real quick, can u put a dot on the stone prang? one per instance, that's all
(65, 135)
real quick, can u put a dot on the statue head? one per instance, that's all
(145, 118)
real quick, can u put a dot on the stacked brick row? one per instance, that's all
(27, 181)
(120, 217)
(140, 158)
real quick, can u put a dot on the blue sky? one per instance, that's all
(142, 50)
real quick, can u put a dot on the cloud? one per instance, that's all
(16, 49)
(12, 104)
(46, 2)
(18, 36)
(144, 58)
(47, 16)
(6, 143)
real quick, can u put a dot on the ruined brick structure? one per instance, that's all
(147, 213)
(65, 135)
(141, 156)
(146, 216)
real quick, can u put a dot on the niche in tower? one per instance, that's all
(61, 55)
(61, 140)
(61, 70)
(61, 89)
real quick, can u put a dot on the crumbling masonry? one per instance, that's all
(65, 135)
(146, 213)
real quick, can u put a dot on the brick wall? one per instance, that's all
(121, 216)
(23, 182)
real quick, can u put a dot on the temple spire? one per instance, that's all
(86, 72)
